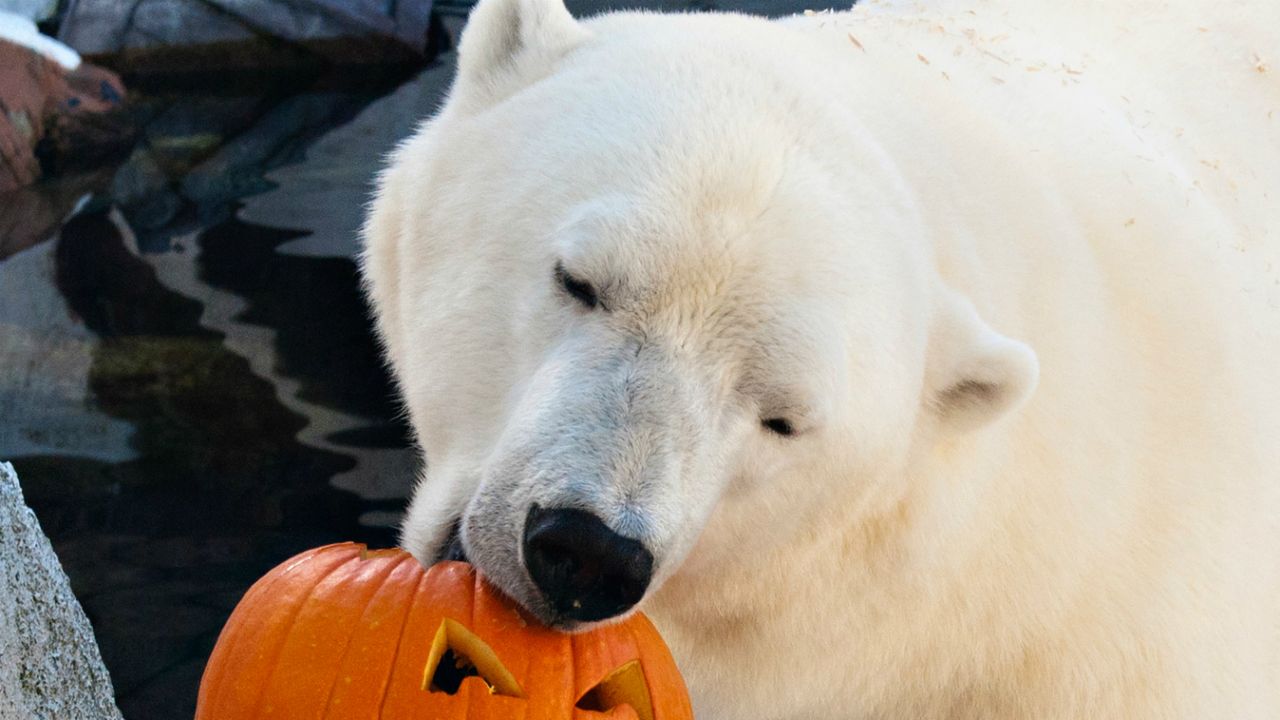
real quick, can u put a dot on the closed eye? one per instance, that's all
(578, 289)
(779, 426)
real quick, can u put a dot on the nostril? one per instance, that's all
(585, 570)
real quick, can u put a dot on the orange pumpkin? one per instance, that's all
(342, 632)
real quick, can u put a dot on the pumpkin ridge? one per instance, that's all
(634, 630)
(466, 709)
(400, 641)
(293, 619)
(277, 577)
(573, 668)
(214, 671)
(662, 674)
(333, 684)
(233, 624)
(476, 589)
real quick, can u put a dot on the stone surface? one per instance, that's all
(36, 10)
(339, 168)
(235, 171)
(772, 8)
(109, 26)
(583, 8)
(50, 667)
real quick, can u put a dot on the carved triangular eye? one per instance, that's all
(457, 654)
(624, 686)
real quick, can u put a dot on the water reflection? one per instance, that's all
(185, 405)
(220, 480)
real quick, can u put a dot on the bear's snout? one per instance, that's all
(584, 570)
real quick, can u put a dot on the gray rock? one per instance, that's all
(339, 168)
(36, 10)
(236, 169)
(50, 667)
(106, 26)
(771, 8)
(141, 188)
(586, 8)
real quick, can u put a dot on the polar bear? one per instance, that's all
(917, 361)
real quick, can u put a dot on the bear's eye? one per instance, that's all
(580, 290)
(779, 426)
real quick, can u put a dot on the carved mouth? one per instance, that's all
(458, 654)
(452, 548)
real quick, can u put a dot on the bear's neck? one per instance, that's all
(905, 588)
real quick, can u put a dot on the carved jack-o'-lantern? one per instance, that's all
(341, 632)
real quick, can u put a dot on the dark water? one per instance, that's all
(186, 401)
(219, 488)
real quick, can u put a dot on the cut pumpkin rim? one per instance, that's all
(626, 685)
(454, 637)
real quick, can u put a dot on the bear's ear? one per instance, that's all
(974, 374)
(507, 42)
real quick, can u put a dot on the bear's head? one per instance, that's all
(655, 308)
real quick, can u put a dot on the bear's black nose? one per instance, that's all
(585, 570)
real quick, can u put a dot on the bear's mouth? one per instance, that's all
(452, 548)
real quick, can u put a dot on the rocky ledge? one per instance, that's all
(50, 668)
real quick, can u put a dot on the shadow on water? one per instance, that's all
(187, 406)
(161, 546)
(180, 398)
(299, 297)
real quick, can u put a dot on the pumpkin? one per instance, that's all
(343, 632)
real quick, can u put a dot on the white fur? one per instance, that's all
(1012, 269)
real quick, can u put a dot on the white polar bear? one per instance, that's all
(917, 362)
